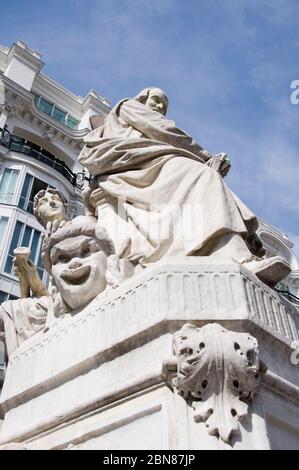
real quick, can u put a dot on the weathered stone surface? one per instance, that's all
(82, 265)
(218, 372)
(30, 282)
(155, 193)
(158, 193)
(56, 386)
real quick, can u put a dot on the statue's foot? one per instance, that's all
(269, 270)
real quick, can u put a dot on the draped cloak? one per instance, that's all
(22, 319)
(156, 187)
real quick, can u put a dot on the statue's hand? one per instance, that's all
(19, 260)
(225, 165)
(220, 163)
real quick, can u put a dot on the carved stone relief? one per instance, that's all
(218, 372)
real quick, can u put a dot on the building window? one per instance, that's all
(2, 355)
(30, 188)
(3, 227)
(56, 113)
(4, 296)
(71, 122)
(44, 105)
(8, 185)
(59, 115)
(21, 145)
(24, 235)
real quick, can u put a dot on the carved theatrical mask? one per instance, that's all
(79, 267)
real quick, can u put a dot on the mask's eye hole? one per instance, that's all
(64, 258)
(86, 251)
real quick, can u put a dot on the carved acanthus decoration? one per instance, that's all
(218, 372)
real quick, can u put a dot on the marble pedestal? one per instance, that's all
(100, 380)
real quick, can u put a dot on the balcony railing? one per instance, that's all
(5, 137)
(291, 297)
(16, 144)
(2, 362)
(1, 376)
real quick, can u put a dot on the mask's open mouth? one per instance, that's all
(76, 276)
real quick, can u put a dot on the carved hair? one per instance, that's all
(144, 94)
(40, 195)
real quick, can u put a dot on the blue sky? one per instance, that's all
(226, 65)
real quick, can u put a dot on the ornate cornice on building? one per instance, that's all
(266, 227)
(92, 99)
(24, 53)
(21, 80)
(20, 103)
(275, 242)
(53, 91)
(41, 84)
(4, 49)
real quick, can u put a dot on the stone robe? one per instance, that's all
(22, 319)
(156, 195)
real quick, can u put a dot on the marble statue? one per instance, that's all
(79, 261)
(166, 258)
(27, 316)
(22, 319)
(158, 193)
(155, 194)
(81, 265)
(50, 209)
(30, 282)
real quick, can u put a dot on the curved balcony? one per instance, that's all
(17, 144)
(2, 359)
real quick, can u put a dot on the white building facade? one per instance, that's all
(41, 130)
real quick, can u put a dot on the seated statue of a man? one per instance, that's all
(158, 193)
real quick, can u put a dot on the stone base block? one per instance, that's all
(97, 380)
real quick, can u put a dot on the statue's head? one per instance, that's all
(77, 260)
(49, 205)
(154, 98)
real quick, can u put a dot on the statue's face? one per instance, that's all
(51, 207)
(157, 101)
(79, 267)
